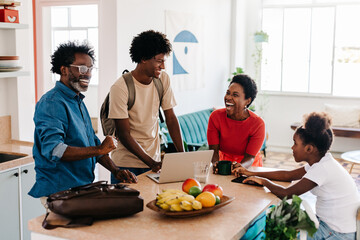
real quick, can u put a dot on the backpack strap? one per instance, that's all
(131, 89)
(160, 88)
(132, 94)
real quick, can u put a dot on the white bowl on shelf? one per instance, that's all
(8, 63)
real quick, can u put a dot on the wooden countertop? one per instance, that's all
(17, 148)
(229, 222)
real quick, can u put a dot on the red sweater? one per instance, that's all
(235, 138)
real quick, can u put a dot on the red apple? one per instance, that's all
(190, 182)
(214, 188)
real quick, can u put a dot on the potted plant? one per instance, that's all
(238, 70)
(287, 219)
(261, 36)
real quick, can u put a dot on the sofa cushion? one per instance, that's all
(344, 116)
(193, 127)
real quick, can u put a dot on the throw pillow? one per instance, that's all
(344, 116)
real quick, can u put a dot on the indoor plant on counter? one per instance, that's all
(287, 219)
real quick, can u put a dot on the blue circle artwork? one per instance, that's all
(184, 36)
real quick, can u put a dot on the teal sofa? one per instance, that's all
(193, 129)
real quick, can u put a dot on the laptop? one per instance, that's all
(177, 167)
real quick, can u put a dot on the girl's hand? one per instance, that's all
(238, 170)
(253, 179)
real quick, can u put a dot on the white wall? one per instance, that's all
(283, 110)
(135, 16)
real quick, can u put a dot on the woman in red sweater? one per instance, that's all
(235, 133)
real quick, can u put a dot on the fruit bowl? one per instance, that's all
(224, 201)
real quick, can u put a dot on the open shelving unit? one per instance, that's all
(5, 25)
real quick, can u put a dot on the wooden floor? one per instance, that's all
(286, 161)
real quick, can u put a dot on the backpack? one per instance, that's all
(108, 124)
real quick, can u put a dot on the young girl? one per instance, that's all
(337, 196)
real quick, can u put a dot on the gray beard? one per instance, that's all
(77, 87)
(75, 83)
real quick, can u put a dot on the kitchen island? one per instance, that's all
(228, 222)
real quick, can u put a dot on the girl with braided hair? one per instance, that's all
(337, 195)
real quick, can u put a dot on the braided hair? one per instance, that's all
(316, 131)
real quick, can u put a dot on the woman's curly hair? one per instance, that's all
(317, 131)
(64, 55)
(248, 84)
(148, 44)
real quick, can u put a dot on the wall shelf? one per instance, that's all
(4, 25)
(14, 74)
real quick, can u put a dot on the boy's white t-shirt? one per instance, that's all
(143, 118)
(337, 195)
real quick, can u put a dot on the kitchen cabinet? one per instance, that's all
(17, 207)
(31, 207)
(9, 202)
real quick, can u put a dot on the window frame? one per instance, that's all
(310, 6)
(70, 28)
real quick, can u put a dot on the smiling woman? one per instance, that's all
(235, 133)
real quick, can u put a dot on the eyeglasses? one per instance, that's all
(83, 69)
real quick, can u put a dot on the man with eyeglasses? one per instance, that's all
(138, 128)
(66, 148)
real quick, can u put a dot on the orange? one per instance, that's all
(207, 199)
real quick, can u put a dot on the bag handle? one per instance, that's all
(88, 186)
(78, 222)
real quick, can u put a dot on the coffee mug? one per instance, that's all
(224, 167)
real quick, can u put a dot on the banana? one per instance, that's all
(173, 201)
(186, 197)
(196, 205)
(176, 200)
(165, 206)
(167, 198)
(173, 191)
(175, 207)
(170, 192)
(186, 205)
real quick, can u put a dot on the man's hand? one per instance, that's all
(125, 176)
(156, 166)
(109, 144)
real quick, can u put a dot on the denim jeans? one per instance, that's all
(324, 232)
(136, 171)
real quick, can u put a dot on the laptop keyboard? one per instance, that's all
(156, 177)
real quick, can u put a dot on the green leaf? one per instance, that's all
(284, 220)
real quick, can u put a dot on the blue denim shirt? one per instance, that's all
(61, 119)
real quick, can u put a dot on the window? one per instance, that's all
(312, 49)
(69, 23)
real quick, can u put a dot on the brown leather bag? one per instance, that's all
(97, 200)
